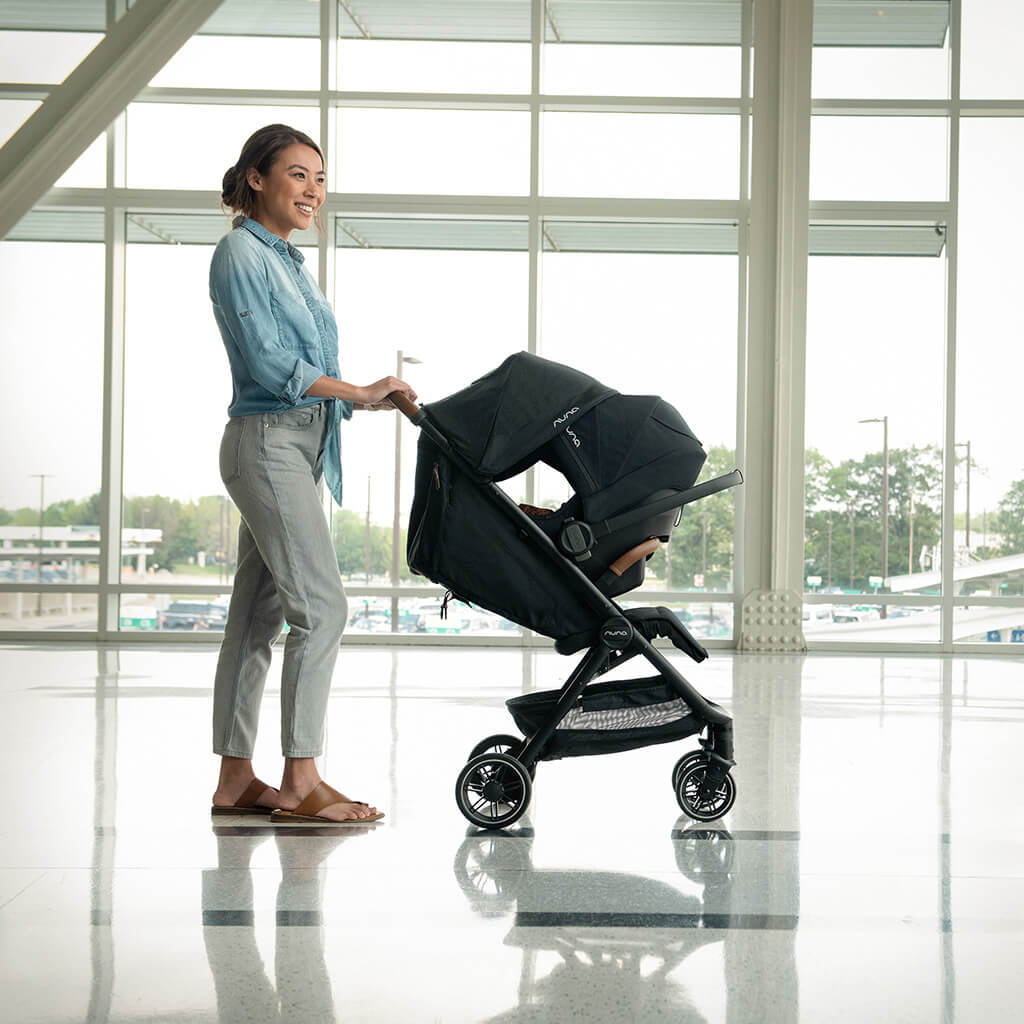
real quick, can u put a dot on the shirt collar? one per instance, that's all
(275, 241)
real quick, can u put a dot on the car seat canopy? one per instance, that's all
(509, 414)
(613, 449)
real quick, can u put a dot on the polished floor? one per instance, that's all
(872, 868)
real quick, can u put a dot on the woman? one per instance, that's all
(281, 439)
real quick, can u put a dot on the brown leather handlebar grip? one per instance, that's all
(403, 405)
(633, 555)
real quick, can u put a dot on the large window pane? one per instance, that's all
(862, 622)
(215, 136)
(875, 337)
(374, 65)
(88, 171)
(644, 156)
(455, 152)
(46, 58)
(460, 314)
(991, 360)
(663, 325)
(243, 62)
(991, 64)
(878, 158)
(180, 526)
(620, 70)
(50, 465)
(53, 609)
(981, 624)
(865, 72)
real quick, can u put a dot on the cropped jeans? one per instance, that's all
(272, 466)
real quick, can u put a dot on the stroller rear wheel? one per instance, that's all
(702, 807)
(502, 743)
(493, 790)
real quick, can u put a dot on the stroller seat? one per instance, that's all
(615, 561)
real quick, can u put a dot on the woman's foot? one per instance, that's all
(301, 778)
(236, 776)
(343, 809)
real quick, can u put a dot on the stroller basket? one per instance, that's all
(608, 717)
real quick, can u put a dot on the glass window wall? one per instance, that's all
(641, 155)
(50, 471)
(989, 492)
(874, 437)
(663, 319)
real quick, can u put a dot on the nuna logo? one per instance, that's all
(575, 440)
(568, 412)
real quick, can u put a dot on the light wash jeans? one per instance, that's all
(272, 466)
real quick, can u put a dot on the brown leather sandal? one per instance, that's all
(321, 797)
(246, 803)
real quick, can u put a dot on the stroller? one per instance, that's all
(631, 462)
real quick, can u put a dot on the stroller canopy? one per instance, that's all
(615, 450)
(500, 421)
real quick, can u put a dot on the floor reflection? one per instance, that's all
(301, 991)
(617, 958)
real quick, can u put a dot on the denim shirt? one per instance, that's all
(278, 329)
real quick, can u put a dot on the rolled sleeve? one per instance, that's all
(240, 290)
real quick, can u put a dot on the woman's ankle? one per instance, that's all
(234, 768)
(300, 774)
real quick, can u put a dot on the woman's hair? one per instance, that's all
(260, 151)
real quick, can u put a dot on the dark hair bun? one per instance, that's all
(230, 183)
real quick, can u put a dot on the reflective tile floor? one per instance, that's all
(872, 868)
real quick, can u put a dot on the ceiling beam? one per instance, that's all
(137, 46)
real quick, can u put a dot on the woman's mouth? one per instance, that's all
(305, 208)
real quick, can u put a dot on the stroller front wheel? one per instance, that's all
(693, 757)
(699, 805)
(493, 790)
(502, 743)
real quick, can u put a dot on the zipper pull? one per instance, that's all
(437, 478)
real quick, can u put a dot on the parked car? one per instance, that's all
(856, 613)
(194, 615)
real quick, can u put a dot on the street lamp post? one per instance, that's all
(39, 569)
(396, 521)
(967, 524)
(884, 420)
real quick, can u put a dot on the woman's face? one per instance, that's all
(289, 196)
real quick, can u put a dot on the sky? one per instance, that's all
(663, 324)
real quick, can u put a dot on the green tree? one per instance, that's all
(1010, 519)
(349, 529)
(702, 543)
(843, 535)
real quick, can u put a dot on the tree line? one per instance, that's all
(842, 540)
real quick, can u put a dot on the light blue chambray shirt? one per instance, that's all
(278, 329)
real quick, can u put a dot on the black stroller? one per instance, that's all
(631, 462)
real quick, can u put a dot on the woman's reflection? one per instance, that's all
(301, 992)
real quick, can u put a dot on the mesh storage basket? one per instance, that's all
(608, 717)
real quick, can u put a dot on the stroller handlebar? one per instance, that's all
(407, 408)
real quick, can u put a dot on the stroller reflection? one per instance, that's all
(609, 965)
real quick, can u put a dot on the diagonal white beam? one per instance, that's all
(137, 46)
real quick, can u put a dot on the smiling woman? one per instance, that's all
(280, 445)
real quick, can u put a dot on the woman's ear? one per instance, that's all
(253, 177)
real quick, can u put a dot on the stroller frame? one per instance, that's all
(494, 788)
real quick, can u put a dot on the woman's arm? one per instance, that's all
(372, 396)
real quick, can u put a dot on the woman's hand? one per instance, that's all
(375, 396)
